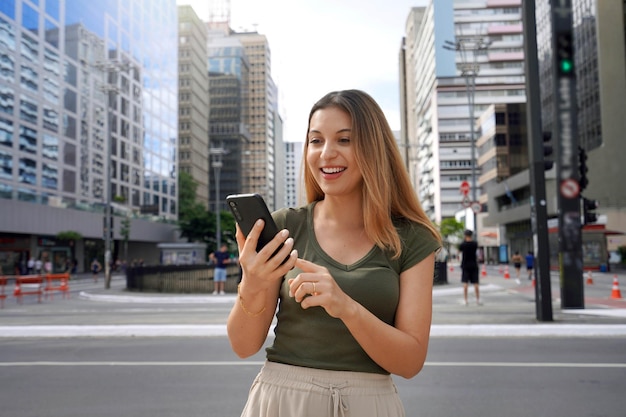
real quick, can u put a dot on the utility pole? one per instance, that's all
(217, 163)
(538, 204)
(110, 88)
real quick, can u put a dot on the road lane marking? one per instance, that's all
(260, 363)
(219, 330)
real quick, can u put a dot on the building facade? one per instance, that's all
(460, 58)
(229, 72)
(193, 101)
(259, 160)
(88, 117)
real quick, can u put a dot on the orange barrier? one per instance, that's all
(615, 292)
(3, 295)
(57, 282)
(28, 285)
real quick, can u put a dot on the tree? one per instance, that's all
(195, 222)
(451, 231)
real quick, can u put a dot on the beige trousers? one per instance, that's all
(293, 391)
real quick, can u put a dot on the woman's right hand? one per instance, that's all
(260, 269)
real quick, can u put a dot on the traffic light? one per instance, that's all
(583, 181)
(548, 162)
(565, 54)
(589, 215)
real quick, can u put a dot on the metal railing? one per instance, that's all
(186, 279)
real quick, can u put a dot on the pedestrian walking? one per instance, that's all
(95, 268)
(517, 264)
(38, 266)
(354, 296)
(530, 264)
(30, 266)
(469, 266)
(220, 258)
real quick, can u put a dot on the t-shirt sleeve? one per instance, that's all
(418, 243)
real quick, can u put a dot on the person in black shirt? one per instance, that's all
(469, 265)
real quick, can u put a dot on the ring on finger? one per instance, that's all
(314, 292)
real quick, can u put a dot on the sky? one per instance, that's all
(319, 46)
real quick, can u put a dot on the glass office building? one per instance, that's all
(88, 99)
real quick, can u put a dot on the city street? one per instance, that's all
(159, 377)
(111, 352)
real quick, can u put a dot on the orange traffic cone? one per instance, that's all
(451, 268)
(484, 271)
(501, 270)
(506, 272)
(615, 292)
(589, 278)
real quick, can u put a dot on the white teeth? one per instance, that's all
(332, 170)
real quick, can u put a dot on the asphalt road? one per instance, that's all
(489, 360)
(159, 377)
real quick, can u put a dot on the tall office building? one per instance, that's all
(458, 59)
(228, 122)
(293, 174)
(259, 160)
(87, 116)
(193, 101)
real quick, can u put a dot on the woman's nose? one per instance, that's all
(328, 151)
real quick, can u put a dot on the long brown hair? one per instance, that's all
(387, 190)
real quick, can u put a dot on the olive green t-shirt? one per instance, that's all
(311, 337)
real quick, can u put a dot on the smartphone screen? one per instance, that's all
(247, 209)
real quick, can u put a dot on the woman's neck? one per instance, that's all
(346, 213)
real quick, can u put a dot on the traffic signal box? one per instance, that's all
(548, 150)
(589, 207)
(565, 54)
(583, 181)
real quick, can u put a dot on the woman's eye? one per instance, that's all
(314, 140)
(344, 140)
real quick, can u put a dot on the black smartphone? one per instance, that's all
(247, 209)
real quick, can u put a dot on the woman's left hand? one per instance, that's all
(314, 286)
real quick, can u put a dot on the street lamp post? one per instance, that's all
(217, 162)
(469, 71)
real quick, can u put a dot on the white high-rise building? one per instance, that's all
(449, 47)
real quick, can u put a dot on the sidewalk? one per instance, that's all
(508, 309)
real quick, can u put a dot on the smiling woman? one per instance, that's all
(359, 270)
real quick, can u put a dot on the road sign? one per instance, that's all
(465, 188)
(570, 188)
(466, 202)
(476, 207)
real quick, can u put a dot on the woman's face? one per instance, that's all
(330, 152)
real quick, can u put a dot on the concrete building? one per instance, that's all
(259, 162)
(444, 88)
(293, 174)
(88, 116)
(193, 101)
